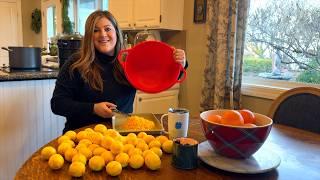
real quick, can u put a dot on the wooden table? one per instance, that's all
(299, 152)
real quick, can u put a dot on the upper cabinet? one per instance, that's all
(148, 14)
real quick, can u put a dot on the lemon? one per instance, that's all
(132, 140)
(148, 138)
(92, 147)
(96, 163)
(167, 146)
(79, 158)
(142, 134)
(47, 152)
(95, 137)
(71, 134)
(162, 138)
(116, 147)
(98, 151)
(106, 142)
(107, 156)
(68, 155)
(114, 168)
(63, 147)
(63, 138)
(89, 130)
(86, 142)
(157, 150)
(123, 159)
(136, 161)
(77, 169)
(134, 151)
(143, 146)
(127, 147)
(80, 146)
(152, 161)
(56, 161)
(100, 128)
(86, 152)
(112, 133)
(144, 154)
(133, 135)
(154, 143)
(70, 142)
(82, 135)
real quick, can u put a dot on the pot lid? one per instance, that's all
(150, 66)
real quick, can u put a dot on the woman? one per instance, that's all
(92, 82)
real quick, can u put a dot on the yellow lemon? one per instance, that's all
(136, 161)
(132, 140)
(70, 142)
(106, 142)
(63, 147)
(63, 138)
(116, 147)
(71, 134)
(143, 146)
(133, 135)
(157, 150)
(47, 152)
(86, 142)
(144, 154)
(86, 152)
(148, 138)
(56, 161)
(167, 146)
(154, 143)
(79, 158)
(96, 163)
(135, 151)
(112, 133)
(92, 147)
(162, 138)
(142, 134)
(152, 161)
(82, 135)
(107, 156)
(89, 130)
(77, 169)
(100, 128)
(127, 147)
(98, 151)
(114, 168)
(95, 137)
(123, 159)
(80, 146)
(68, 155)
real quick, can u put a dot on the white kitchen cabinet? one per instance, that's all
(156, 103)
(148, 14)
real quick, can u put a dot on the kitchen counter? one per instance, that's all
(28, 75)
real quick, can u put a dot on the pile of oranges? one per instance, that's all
(244, 117)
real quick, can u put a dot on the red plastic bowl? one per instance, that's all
(150, 66)
(235, 141)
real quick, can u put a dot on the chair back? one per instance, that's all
(299, 108)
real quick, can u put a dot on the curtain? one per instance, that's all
(225, 42)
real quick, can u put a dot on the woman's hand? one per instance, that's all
(104, 109)
(180, 56)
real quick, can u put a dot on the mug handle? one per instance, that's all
(161, 121)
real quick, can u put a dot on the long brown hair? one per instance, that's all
(87, 66)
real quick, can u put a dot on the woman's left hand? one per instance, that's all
(180, 56)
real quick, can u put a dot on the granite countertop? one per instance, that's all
(32, 75)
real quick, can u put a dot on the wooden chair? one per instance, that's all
(299, 108)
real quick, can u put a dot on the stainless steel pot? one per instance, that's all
(24, 57)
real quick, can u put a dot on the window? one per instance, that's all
(79, 11)
(282, 47)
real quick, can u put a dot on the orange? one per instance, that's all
(232, 117)
(248, 116)
(214, 118)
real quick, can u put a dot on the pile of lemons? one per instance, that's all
(101, 148)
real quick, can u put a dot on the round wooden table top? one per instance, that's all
(299, 152)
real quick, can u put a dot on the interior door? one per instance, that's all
(9, 35)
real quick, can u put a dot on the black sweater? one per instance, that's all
(74, 99)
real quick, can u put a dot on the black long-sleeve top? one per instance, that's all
(74, 99)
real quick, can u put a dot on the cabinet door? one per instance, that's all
(123, 12)
(146, 13)
(156, 103)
